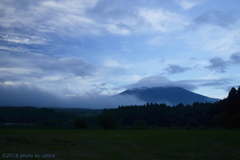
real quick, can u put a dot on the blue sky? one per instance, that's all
(95, 48)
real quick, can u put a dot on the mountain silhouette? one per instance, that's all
(168, 95)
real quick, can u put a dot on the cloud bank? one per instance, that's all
(24, 95)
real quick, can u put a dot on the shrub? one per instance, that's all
(80, 123)
(107, 121)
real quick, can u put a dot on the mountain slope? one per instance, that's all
(168, 95)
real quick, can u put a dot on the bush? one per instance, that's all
(107, 121)
(80, 123)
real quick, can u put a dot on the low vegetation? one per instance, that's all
(121, 144)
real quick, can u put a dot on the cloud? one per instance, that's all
(216, 82)
(60, 73)
(36, 62)
(109, 62)
(212, 38)
(33, 21)
(173, 69)
(235, 57)
(110, 10)
(160, 81)
(199, 85)
(221, 65)
(61, 44)
(117, 17)
(24, 95)
(77, 66)
(25, 39)
(222, 19)
(216, 31)
(161, 20)
(217, 64)
(186, 4)
(36, 22)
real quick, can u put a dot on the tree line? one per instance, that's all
(224, 113)
(32, 116)
(48, 117)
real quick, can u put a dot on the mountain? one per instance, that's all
(168, 95)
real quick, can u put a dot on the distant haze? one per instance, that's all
(25, 96)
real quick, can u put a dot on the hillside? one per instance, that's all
(168, 95)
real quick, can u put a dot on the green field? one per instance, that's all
(120, 144)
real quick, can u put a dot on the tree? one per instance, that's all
(238, 91)
(232, 93)
(80, 123)
(107, 120)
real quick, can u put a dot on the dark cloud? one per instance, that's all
(124, 26)
(235, 57)
(24, 95)
(224, 84)
(161, 81)
(23, 5)
(173, 69)
(108, 9)
(216, 82)
(77, 66)
(100, 87)
(217, 64)
(223, 19)
(25, 21)
(2, 80)
(220, 65)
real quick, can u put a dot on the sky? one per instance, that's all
(76, 53)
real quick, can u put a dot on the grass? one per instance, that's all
(122, 144)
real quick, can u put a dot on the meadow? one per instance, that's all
(158, 144)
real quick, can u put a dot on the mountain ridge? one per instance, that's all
(167, 94)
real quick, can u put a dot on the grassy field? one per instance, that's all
(119, 144)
